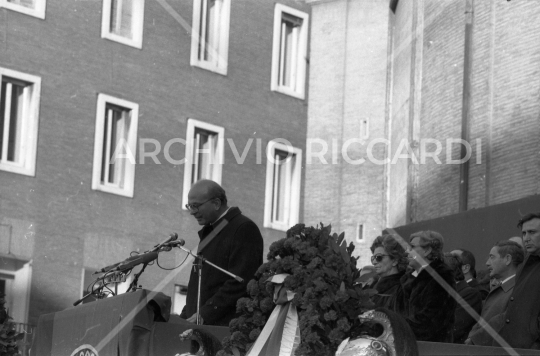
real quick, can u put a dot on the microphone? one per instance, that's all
(172, 237)
(108, 268)
(180, 242)
(170, 242)
(135, 261)
(170, 245)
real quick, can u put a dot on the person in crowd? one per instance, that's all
(518, 240)
(521, 327)
(236, 245)
(390, 263)
(483, 279)
(424, 299)
(503, 261)
(469, 270)
(471, 296)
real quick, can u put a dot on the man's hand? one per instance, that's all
(193, 319)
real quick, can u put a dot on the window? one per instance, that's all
(282, 197)
(204, 154)
(19, 117)
(34, 8)
(123, 21)
(360, 233)
(210, 37)
(289, 53)
(179, 298)
(114, 145)
(15, 276)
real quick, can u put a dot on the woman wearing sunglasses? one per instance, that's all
(390, 262)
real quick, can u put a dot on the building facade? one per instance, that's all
(111, 109)
(412, 80)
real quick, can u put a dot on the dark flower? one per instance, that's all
(267, 305)
(254, 334)
(253, 288)
(296, 230)
(336, 335)
(325, 302)
(343, 324)
(331, 315)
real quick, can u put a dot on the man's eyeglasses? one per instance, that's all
(195, 208)
(377, 258)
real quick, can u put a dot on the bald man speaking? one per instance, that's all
(237, 248)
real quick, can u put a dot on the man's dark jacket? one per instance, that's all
(520, 328)
(238, 248)
(426, 305)
(493, 313)
(483, 291)
(465, 321)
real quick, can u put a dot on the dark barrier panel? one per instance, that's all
(478, 229)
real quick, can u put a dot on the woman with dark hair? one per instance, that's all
(390, 262)
(424, 299)
(464, 321)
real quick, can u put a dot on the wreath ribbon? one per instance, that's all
(281, 334)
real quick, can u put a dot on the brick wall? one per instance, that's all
(347, 86)
(423, 100)
(68, 225)
(504, 110)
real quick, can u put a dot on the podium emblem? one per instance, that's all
(85, 350)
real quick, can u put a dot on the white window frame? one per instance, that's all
(298, 91)
(219, 56)
(37, 11)
(293, 191)
(29, 124)
(129, 175)
(19, 301)
(137, 24)
(191, 141)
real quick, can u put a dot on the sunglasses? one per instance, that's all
(377, 258)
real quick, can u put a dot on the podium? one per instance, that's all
(131, 324)
(139, 324)
(120, 325)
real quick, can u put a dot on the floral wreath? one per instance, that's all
(327, 294)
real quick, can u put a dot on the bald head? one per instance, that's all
(517, 239)
(207, 200)
(207, 189)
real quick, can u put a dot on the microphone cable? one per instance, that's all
(170, 269)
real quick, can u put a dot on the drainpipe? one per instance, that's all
(466, 105)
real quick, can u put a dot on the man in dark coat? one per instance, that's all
(237, 248)
(504, 259)
(464, 320)
(469, 270)
(522, 318)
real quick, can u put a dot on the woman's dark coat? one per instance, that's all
(387, 288)
(426, 305)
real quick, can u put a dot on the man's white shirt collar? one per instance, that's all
(416, 273)
(508, 278)
(222, 215)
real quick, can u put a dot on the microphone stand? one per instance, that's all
(133, 285)
(200, 260)
(96, 292)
